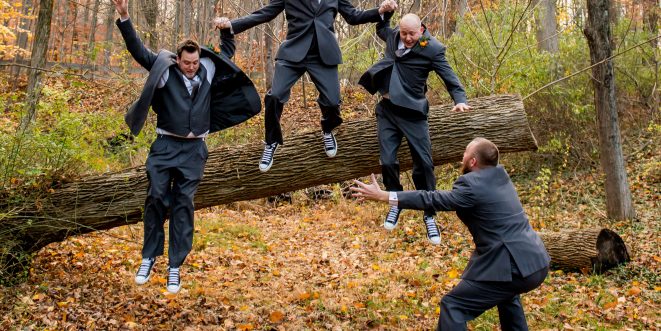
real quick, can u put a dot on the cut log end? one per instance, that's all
(591, 250)
(611, 251)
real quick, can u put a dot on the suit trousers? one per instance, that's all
(326, 80)
(469, 299)
(392, 126)
(174, 168)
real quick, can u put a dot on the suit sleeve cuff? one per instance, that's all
(392, 199)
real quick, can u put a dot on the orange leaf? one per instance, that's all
(276, 316)
(610, 305)
(634, 291)
(245, 327)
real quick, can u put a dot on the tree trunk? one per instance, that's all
(91, 57)
(150, 13)
(598, 34)
(110, 18)
(590, 250)
(39, 48)
(114, 199)
(547, 26)
(188, 13)
(268, 51)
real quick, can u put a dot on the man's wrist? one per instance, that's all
(392, 198)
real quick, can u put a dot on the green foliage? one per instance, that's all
(60, 144)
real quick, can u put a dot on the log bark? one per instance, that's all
(590, 250)
(115, 199)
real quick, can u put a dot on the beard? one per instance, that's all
(465, 168)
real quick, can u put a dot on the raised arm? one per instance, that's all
(355, 16)
(443, 69)
(143, 55)
(383, 29)
(263, 15)
(227, 44)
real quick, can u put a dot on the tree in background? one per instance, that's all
(598, 34)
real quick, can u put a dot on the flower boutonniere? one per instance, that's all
(213, 48)
(423, 41)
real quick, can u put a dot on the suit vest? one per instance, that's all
(176, 110)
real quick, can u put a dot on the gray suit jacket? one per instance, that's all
(487, 202)
(234, 98)
(409, 73)
(304, 17)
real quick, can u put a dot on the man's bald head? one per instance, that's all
(410, 30)
(410, 21)
(480, 153)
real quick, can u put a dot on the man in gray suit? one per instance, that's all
(193, 93)
(401, 78)
(509, 257)
(311, 47)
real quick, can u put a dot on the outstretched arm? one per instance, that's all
(263, 15)
(456, 90)
(459, 197)
(354, 16)
(143, 55)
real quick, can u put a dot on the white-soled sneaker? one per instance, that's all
(330, 144)
(433, 233)
(267, 157)
(142, 276)
(391, 218)
(174, 281)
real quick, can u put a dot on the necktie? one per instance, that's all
(195, 86)
(400, 52)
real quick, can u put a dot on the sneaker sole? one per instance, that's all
(143, 282)
(434, 242)
(174, 291)
(389, 226)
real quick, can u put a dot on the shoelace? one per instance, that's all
(392, 215)
(143, 271)
(173, 276)
(329, 142)
(268, 154)
(432, 229)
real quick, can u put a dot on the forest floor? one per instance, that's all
(328, 263)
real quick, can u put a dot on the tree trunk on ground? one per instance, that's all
(115, 199)
(39, 48)
(590, 250)
(598, 34)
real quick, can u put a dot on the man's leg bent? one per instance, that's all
(284, 77)
(326, 80)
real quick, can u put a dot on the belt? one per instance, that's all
(179, 139)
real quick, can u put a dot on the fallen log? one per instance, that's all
(109, 200)
(590, 250)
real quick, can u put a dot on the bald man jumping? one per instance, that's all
(401, 78)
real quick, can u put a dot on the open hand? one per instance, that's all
(369, 191)
(122, 7)
(461, 107)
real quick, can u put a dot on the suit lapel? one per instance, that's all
(316, 4)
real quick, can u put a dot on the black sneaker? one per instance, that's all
(392, 218)
(330, 144)
(267, 157)
(174, 281)
(433, 233)
(142, 276)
